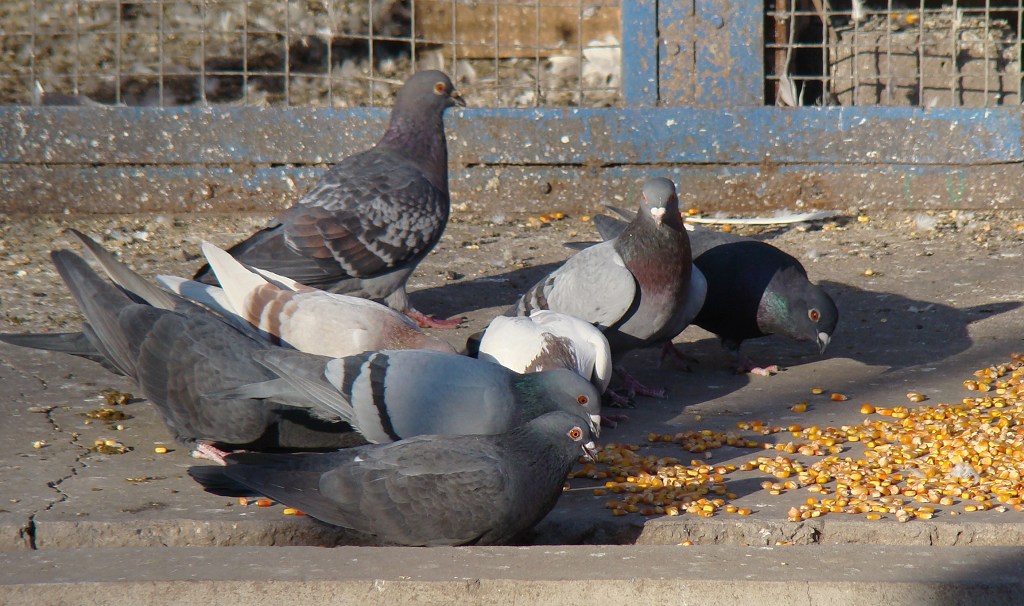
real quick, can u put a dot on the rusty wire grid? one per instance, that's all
(340, 53)
(958, 53)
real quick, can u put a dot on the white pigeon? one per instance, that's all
(546, 340)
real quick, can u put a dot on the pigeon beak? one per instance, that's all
(457, 98)
(595, 425)
(588, 451)
(823, 340)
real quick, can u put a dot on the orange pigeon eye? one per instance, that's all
(582, 400)
(813, 314)
(576, 434)
(439, 88)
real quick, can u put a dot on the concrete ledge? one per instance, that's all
(597, 576)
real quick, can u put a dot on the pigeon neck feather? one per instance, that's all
(421, 139)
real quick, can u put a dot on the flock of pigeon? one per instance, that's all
(275, 345)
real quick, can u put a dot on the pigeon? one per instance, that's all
(636, 287)
(423, 491)
(545, 340)
(754, 289)
(305, 318)
(366, 225)
(391, 395)
(86, 343)
(175, 357)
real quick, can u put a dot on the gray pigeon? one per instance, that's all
(375, 215)
(392, 395)
(635, 288)
(176, 357)
(754, 290)
(87, 344)
(428, 490)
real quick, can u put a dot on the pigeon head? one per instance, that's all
(431, 91)
(560, 389)
(794, 307)
(823, 313)
(658, 200)
(565, 429)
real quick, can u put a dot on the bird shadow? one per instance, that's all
(897, 331)
(500, 290)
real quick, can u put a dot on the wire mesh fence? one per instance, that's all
(341, 53)
(933, 54)
(502, 53)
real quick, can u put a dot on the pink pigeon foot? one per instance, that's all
(633, 387)
(618, 400)
(745, 365)
(209, 452)
(426, 321)
(613, 421)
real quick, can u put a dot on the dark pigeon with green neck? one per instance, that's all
(754, 289)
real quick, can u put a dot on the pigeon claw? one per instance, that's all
(426, 321)
(613, 421)
(619, 400)
(635, 387)
(685, 361)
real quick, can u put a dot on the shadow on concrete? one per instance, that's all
(461, 297)
(895, 331)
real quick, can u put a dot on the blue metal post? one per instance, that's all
(640, 53)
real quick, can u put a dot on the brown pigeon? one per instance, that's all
(635, 287)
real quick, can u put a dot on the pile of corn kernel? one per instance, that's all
(969, 455)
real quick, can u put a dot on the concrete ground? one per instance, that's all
(925, 301)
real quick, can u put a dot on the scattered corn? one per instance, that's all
(968, 454)
(799, 407)
(160, 450)
(291, 511)
(838, 397)
(264, 502)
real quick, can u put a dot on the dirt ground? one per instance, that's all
(925, 299)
